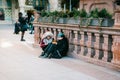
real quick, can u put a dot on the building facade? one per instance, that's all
(88, 5)
(9, 10)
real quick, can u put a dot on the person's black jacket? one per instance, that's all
(22, 20)
(23, 23)
(62, 46)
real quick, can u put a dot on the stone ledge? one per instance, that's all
(97, 62)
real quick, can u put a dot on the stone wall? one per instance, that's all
(55, 5)
(91, 4)
(92, 44)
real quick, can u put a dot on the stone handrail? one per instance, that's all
(99, 45)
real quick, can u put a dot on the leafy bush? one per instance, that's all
(63, 15)
(104, 14)
(83, 13)
(94, 13)
(44, 13)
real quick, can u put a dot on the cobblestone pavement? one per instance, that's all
(19, 61)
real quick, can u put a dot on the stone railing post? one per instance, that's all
(105, 47)
(116, 40)
(70, 36)
(116, 50)
(97, 46)
(76, 42)
(36, 35)
(117, 19)
(89, 44)
(82, 43)
(55, 33)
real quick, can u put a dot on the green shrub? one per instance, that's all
(63, 15)
(94, 13)
(83, 13)
(71, 14)
(43, 13)
(104, 14)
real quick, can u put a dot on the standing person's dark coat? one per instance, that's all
(23, 24)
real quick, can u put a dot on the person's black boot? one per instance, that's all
(22, 38)
(46, 55)
(42, 54)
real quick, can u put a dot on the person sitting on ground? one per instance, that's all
(47, 38)
(45, 41)
(57, 49)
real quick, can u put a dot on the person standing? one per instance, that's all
(23, 25)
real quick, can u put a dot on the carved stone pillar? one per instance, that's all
(97, 45)
(105, 47)
(22, 6)
(70, 37)
(55, 5)
(82, 43)
(76, 42)
(36, 35)
(89, 44)
(55, 33)
(116, 50)
(117, 19)
(116, 40)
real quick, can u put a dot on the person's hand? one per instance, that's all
(54, 42)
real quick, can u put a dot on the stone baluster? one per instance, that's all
(116, 50)
(105, 47)
(66, 32)
(70, 36)
(82, 43)
(89, 44)
(36, 36)
(117, 19)
(42, 31)
(55, 33)
(97, 45)
(76, 42)
(116, 40)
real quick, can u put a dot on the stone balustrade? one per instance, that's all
(94, 44)
(99, 45)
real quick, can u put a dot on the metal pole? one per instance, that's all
(64, 8)
(70, 6)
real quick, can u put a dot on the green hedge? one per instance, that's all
(95, 13)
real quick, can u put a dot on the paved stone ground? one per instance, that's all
(19, 61)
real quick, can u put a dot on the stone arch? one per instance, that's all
(98, 5)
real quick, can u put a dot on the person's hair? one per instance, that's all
(20, 14)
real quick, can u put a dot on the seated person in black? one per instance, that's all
(57, 49)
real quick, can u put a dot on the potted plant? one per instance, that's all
(43, 15)
(63, 17)
(94, 15)
(73, 17)
(106, 18)
(83, 18)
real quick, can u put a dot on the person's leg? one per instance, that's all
(22, 36)
(43, 53)
(50, 50)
